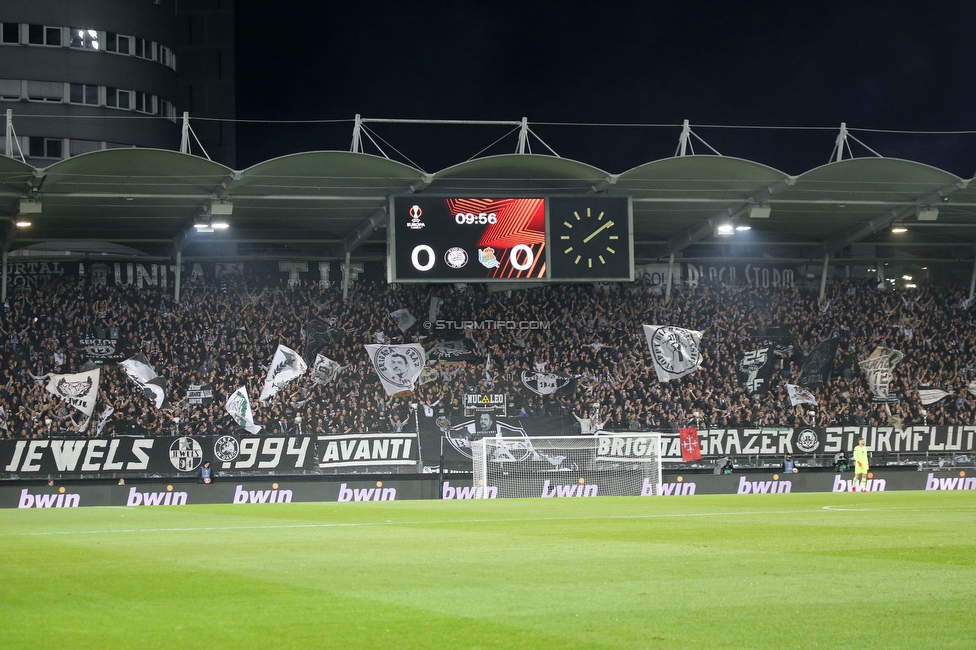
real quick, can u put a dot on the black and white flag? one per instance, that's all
(403, 318)
(675, 350)
(143, 375)
(931, 394)
(877, 372)
(398, 366)
(817, 365)
(453, 350)
(102, 421)
(549, 383)
(79, 389)
(285, 366)
(319, 336)
(3, 418)
(800, 395)
(756, 370)
(435, 308)
(239, 407)
(325, 370)
(199, 394)
(108, 350)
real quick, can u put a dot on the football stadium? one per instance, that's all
(335, 400)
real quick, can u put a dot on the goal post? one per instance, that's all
(609, 464)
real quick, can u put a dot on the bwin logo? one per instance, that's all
(28, 500)
(580, 490)
(378, 493)
(168, 498)
(844, 485)
(764, 487)
(261, 496)
(955, 483)
(478, 492)
(668, 489)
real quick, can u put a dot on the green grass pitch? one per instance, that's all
(876, 570)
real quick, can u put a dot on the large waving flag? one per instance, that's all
(143, 375)
(398, 366)
(79, 390)
(675, 350)
(690, 445)
(286, 365)
(239, 407)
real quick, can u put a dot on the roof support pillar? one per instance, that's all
(667, 289)
(357, 135)
(683, 140)
(523, 135)
(823, 277)
(346, 272)
(3, 288)
(185, 137)
(972, 281)
(179, 275)
(9, 139)
(840, 143)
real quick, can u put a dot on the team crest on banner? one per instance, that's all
(675, 350)
(185, 454)
(79, 390)
(453, 350)
(398, 366)
(547, 383)
(485, 425)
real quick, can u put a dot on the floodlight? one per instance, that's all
(760, 211)
(30, 206)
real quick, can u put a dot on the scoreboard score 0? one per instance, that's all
(459, 239)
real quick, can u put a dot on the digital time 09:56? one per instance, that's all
(481, 219)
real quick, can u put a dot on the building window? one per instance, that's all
(84, 94)
(118, 43)
(86, 39)
(10, 33)
(10, 89)
(145, 48)
(41, 35)
(45, 91)
(45, 147)
(118, 98)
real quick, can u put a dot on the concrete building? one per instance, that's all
(83, 75)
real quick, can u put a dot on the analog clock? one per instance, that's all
(590, 238)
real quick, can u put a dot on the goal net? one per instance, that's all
(609, 464)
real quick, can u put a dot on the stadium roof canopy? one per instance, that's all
(321, 205)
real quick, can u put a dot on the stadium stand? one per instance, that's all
(226, 336)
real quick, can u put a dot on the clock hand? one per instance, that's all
(597, 231)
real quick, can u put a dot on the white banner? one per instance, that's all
(325, 370)
(800, 395)
(239, 407)
(286, 365)
(79, 390)
(675, 350)
(398, 366)
(403, 318)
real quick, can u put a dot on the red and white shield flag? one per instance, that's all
(690, 449)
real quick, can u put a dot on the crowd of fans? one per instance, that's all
(226, 336)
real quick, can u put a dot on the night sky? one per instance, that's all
(875, 65)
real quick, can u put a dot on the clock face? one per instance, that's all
(590, 238)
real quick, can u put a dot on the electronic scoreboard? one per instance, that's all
(510, 239)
